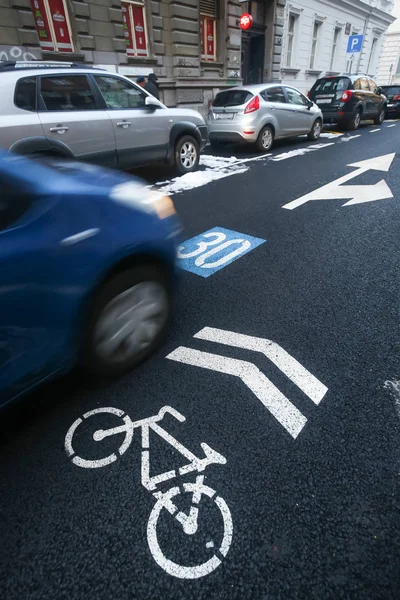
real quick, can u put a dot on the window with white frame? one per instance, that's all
(314, 42)
(335, 42)
(135, 28)
(372, 55)
(52, 25)
(208, 30)
(291, 39)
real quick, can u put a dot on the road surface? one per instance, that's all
(283, 359)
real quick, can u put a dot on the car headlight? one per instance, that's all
(135, 195)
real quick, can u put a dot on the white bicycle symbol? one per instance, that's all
(165, 500)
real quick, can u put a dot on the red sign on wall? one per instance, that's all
(60, 25)
(246, 21)
(140, 31)
(42, 25)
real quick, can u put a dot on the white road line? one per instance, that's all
(279, 406)
(349, 138)
(375, 130)
(388, 126)
(299, 152)
(309, 384)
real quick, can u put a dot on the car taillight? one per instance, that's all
(253, 105)
(308, 95)
(347, 95)
(397, 97)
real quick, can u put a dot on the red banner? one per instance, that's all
(60, 25)
(42, 25)
(140, 30)
(126, 18)
(210, 39)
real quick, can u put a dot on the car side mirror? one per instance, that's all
(310, 104)
(379, 91)
(152, 102)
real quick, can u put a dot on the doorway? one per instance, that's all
(252, 67)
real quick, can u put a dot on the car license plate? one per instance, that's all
(324, 100)
(223, 116)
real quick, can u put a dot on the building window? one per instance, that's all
(208, 30)
(334, 47)
(314, 43)
(371, 61)
(291, 39)
(52, 25)
(135, 30)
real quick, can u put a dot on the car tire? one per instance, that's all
(187, 155)
(381, 116)
(265, 139)
(136, 304)
(355, 121)
(316, 130)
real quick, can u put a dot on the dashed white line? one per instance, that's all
(375, 130)
(391, 126)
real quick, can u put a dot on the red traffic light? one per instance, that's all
(246, 21)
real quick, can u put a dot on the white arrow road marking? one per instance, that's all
(309, 384)
(279, 406)
(356, 193)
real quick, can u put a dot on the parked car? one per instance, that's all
(87, 270)
(90, 114)
(392, 93)
(259, 114)
(348, 99)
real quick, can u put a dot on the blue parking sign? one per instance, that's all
(355, 43)
(214, 249)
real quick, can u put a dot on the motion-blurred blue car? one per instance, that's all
(87, 270)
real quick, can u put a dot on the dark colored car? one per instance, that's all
(87, 270)
(392, 93)
(349, 99)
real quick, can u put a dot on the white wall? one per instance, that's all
(365, 16)
(390, 55)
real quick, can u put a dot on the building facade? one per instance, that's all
(195, 47)
(317, 33)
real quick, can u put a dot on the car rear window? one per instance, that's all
(232, 98)
(331, 84)
(391, 90)
(25, 93)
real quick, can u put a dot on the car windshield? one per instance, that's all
(331, 84)
(232, 98)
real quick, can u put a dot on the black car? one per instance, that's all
(348, 99)
(392, 93)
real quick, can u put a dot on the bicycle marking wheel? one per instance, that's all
(94, 464)
(197, 571)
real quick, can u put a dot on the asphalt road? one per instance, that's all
(307, 503)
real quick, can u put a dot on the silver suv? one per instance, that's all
(74, 111)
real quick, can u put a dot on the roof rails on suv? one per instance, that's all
(11, 65)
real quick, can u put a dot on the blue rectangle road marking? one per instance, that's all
(211, 251)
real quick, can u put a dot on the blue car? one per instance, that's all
(88, 266)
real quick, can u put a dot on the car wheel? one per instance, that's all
(315, 131)
(128, 320)
(187, 154)
(381, 117)
(355, 121)
(265, 139)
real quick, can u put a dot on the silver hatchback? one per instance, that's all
(262, 113)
